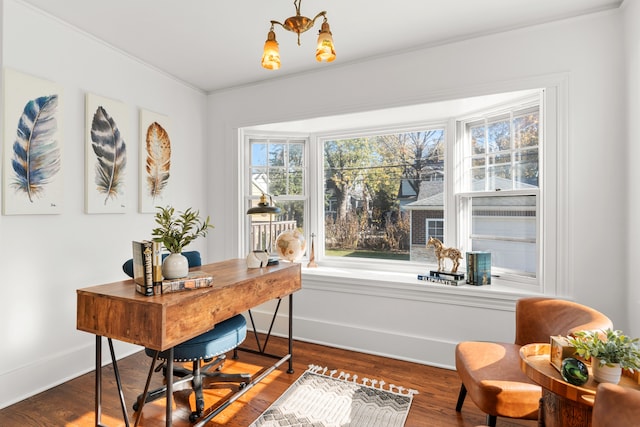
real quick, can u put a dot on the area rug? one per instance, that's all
(326, 398)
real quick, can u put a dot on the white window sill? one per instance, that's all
(405, 285)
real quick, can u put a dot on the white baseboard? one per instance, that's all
(419, 349)
(46, 372)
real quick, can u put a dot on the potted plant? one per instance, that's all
(176, 230)
(610, 351)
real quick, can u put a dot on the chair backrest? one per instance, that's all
(616, 406)
(193, 257)
(538, 318)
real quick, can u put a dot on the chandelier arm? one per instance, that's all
(279, 23)
(323, 14)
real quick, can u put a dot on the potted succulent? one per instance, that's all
(175, 230)
(610, 351)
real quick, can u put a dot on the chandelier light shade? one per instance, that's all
(326, 52)
(271, 54)
(298, 24)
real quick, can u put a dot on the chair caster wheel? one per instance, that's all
(136, 406)
(194, 417)
(241, 386)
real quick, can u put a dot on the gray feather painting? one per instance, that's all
(106, 155)
(33, 154)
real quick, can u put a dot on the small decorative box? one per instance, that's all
(560, 350)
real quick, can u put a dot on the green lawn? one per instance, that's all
(402, 256)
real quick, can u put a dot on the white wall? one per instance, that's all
(632, 53)
(425, 327)
(45, 258)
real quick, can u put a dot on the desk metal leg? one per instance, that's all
(98, 402)
(169, 396)
(290, 370)
(116, 372)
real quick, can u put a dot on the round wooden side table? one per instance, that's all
(562, 404)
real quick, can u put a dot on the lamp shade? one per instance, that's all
(271, 53)
(263, 207)
(326, 51)
(263, 210)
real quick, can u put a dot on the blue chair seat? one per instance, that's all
(224, 337)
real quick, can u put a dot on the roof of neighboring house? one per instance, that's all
(434, 202)
(431, 196)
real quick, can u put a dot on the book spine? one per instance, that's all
(186, 283)
(470, 268)
(446, 275)
(440, 280)
(148, 268)
(156, 266)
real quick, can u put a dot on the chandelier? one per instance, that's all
(325, 51)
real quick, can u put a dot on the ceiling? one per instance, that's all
(217, 44)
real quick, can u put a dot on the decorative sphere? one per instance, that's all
(291, 245)
(574, 371)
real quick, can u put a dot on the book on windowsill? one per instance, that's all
(194, 280)
(440, 280)
(478, 268)
(446, 275)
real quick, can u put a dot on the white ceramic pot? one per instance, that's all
(175, 266)
(604, 373)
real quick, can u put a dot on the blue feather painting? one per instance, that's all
(111, 154)
(33, 147)
(36, 155)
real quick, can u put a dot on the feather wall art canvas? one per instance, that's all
(32, 169)
(106, 155)
(155, 160)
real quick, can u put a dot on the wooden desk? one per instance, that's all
(117, 311)
(563, 404)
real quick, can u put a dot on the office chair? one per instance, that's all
(490, 372)
(209, 347)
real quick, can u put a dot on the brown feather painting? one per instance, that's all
(158, 161)
(155, 157)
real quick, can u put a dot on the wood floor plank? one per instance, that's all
(72, 404)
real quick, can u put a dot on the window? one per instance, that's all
(373, 196)
(276, 168)
(372, 183)
(435, 229)
(500, 192)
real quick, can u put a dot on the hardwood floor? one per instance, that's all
(72, 404)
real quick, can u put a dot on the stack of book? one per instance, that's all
(478, 268)
(147, 272)
(443, 277)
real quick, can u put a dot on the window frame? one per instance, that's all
(554, 277)
(463, 195)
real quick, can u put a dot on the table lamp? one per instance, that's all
(267, 208)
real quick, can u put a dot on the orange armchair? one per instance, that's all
(616, 406)
(490, 372)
